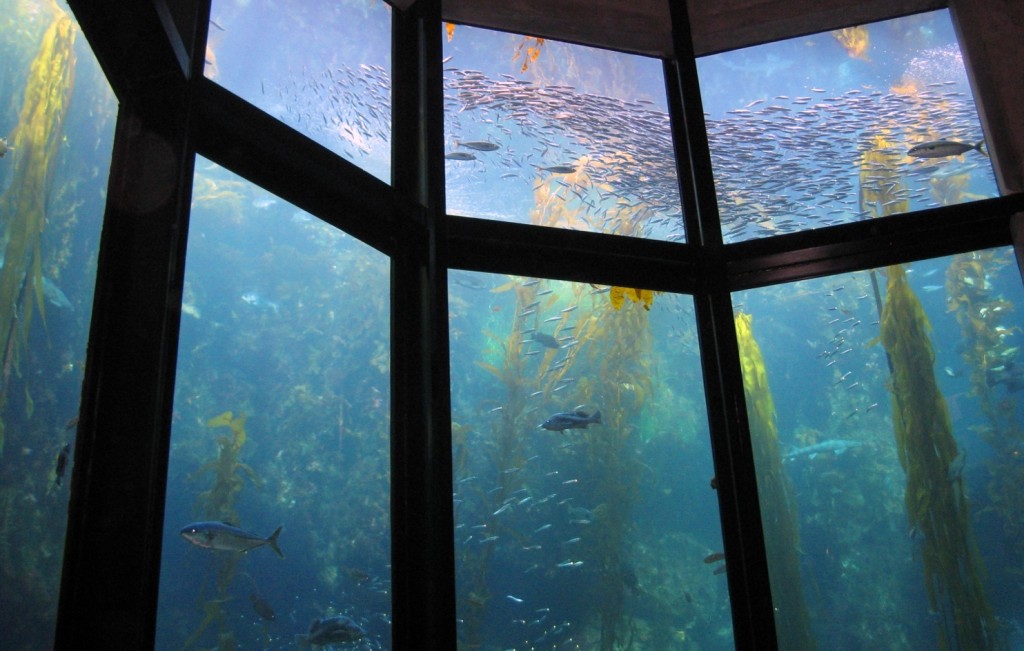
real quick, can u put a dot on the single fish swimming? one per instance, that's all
(4, 147)
(479, 145)
(331, 630)
(835, 446)
(944, 148)
(460, 155)
(558, 169)
(62, 464)
(571, 420)
(546, 340)
(262, 608)
(254, 299)
(223, 536)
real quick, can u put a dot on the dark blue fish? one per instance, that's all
(221, 535)
(571, 420)
(546, 340)
(262, 608)
(62, 464)
(332, 630)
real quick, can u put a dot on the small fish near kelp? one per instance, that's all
(4, 147)
(571, 420)
(331, 630)
(257, 301)
(835, 446)
(226, 537)
(262, 607)
(62, 464)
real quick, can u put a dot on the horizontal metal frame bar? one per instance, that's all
(872, 243)
(501, 247)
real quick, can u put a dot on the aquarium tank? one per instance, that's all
(833, 128)
(279, 444)
(584, 436)
(56, 134)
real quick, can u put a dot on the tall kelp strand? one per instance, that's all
(218, 503)
(781, 531)
(34, 143)
(989, 353)
(934, 498)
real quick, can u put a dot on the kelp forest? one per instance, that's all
(56, 130)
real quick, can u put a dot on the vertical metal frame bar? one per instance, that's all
(739, 509)
(422, 520)
(110, 577)
(112, 550)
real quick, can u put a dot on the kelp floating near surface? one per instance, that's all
(23, 206)
(781, 530)
(934, 497)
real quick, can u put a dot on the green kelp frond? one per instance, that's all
(935, 501)
(23, 215)
(781, 530)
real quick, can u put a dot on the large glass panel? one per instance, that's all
(886, 422)
(584, 511)
(323, 68)
(56, 133)
(280, 434)
(833, 128)
(546, 133)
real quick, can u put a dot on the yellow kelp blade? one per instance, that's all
(223, 420)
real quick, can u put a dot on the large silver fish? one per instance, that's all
(223, 536)
(944, 148)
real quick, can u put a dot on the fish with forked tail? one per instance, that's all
(223, 536)
(944, 149)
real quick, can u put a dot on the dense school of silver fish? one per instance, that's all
(782, 164)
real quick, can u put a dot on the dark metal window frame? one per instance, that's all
(152, 54)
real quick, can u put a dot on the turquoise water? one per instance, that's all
(598, 537)
(44, 336)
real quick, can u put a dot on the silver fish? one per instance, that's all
(943, 149)
(223, 536)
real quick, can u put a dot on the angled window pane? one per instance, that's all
(582, 468)
(323, 69)
(58, 118)
(867, 121)
(280, 429)
(887, 436)
(546, 133)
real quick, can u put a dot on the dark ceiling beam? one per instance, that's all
(642, 26)
(133, 47)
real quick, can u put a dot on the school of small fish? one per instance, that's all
(781, 164)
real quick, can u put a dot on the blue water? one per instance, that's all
(44, 345)
(563, 539)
